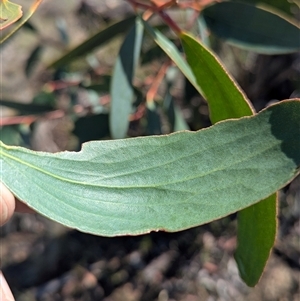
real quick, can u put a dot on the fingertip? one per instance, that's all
(7, 204)
(5, 292)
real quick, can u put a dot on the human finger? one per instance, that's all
(5, 292)
(7, 204)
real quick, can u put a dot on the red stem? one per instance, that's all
(160, 11)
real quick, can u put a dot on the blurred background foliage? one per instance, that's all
(68, 74)
(58, 77)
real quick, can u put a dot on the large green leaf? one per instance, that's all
(96, 40)
(170, 182)
(252, 28)
(226, 101)
(121, 90)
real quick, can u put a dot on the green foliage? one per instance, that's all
(216, 84)
(252, 28)
(176, 181)
(287, 6)
(103, 36)
(172, 51)
(10, 135)
(9, 13)
(256, 235)
(210, 73)
(122, 91)
(169, 182)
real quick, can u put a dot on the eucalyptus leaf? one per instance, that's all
(173, 112)
(153, 120)
(101, 37)
(203, 31)
(26, 108)
(10, 135)
(122, 90)
(180, 123)
(9, 13)
(252, 28)
(287, 6)
(224, 96)
(33, 60)
(256, 234)
(174, 54)
(170, 183)
(226, 100)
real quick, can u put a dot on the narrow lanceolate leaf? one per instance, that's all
(26, 108)
(180, 123)
(121, 90)
(172, 51)
(252, 28)
(225, 100)
(93, 42)
(33, 60)
(203, 31)
(172, 182)
(10, 135)
(173, 112)
(256, 234)
(9, 13)
(286, 6)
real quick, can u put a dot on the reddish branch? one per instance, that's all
(28, 119)
(156, 83)
(157, 7)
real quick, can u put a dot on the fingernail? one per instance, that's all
(5, 293)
